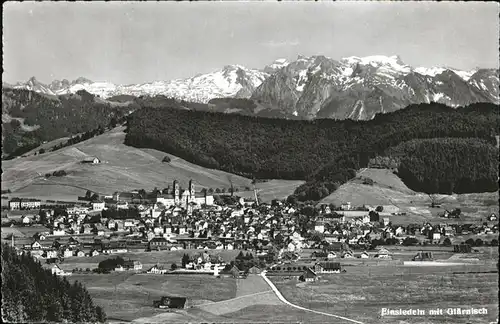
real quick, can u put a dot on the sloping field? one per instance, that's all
(389, 191)
(272, 189)
(122, 168)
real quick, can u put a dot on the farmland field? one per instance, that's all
(362, 292)
(127, 296)
(254, 303)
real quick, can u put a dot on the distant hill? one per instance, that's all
(324, 152)
(122, 168)
(30, 118)
(389, 191)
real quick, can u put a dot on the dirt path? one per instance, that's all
(250, 291)
(280, 296)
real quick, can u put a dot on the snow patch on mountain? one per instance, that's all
(430, 71)
(392, 63)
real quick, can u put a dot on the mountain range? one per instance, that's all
(311, 87)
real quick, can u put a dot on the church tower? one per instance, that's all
(177, 194)
(191, 189)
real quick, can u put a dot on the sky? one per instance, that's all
(140, 42)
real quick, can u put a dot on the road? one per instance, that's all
(280, 296)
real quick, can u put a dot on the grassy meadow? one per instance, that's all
(127, 296)
(362, 292)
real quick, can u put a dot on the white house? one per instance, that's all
(27, 220)
(346, 206)
(331, 255)
(122, 205)
(58, 232)
(364, 255)
(91, 160)
(67, 253)
(98, 205)
(319, 227)
(59, 272)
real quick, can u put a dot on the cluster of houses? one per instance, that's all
(176, 219)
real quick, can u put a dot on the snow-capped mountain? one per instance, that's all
(231, 81)
(359, 87)
(312, 87)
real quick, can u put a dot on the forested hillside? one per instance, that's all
(448, 165)
(325, 152)
(32, 294)
(30, 118)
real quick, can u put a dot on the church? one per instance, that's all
(184, 198)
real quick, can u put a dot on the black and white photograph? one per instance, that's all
(250, 162)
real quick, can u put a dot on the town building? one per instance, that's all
(23, 203)
(98, 205)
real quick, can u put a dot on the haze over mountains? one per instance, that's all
(312, 87)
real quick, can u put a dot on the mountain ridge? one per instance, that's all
(311, 87)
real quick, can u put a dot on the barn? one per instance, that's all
(170, 302)
(91, 160)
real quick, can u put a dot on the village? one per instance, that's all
(287, 239)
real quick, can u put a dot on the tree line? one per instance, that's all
(32, 294)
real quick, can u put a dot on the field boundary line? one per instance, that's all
(280, 296)
(229, 300)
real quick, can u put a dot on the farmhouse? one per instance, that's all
(59, 272)
(91, 160)
(364, 255)
(170, 302)
(346, 206)
(156, 269)
(492, 217)
(132, 265)
(309, 276)
(327, 267)
(383, 254)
